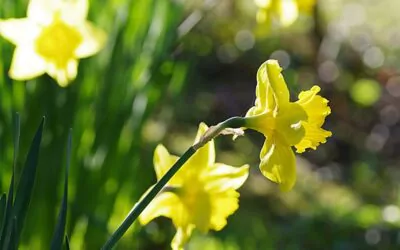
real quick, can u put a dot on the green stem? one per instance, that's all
(211, 133)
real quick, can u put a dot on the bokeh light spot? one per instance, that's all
(373, 236)
(283, 58)
(328, 71)
(391, 213)
(373, 57)
(365, 92)
(244, 40)
(393, 86)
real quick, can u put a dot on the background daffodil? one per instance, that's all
(51, 39)
(201, 195)
(285, 124)
(284, 12)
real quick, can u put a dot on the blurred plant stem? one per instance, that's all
(221, 128)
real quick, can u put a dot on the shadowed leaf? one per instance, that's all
(25, 185)
(7, 226)
(58, 236)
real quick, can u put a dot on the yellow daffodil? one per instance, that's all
(285, 124)
(51, 39)
(284, 12)
(201, 195)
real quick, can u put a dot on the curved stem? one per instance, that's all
(211, 133)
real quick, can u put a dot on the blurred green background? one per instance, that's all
(170, 64)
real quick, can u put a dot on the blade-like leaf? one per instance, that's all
(6, 229)
(7, 226)
(3, 203)
(58, 236)
(26, 182)
(67, 242)
(13, 234)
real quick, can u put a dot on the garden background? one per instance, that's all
(168, 65)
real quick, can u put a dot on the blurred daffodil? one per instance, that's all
(201, 195)
(285, 124)
(50, 39)
(284, 12)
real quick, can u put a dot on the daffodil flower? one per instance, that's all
(51, 39)
(285, 124)
(285, 12)
(202, 194)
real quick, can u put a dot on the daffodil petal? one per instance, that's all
(221, 177)
(93, 40)
(289, 123)
(163, 205)
(277, 82)
(224, 204)
(63, 76)
(271, 90)
(205, 156)
(42, 11)
(19, 31)
(163, 161)
(74, 11)
(26, 64)
(181, 237)
(278, 164)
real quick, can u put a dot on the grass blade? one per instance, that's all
(3, 204)
(58, 236)
(7, 227)
(67, 247)
(25, 185)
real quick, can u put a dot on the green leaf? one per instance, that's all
(13, 235)
(3, 203)
(25, 185)
(67, 247)
(7, 225)
(58, 236)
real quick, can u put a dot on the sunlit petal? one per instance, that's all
(63, 76)
(42, 11)
(163, 161)
(26, 64)
(224, 204)
(19, 31)
(205, 156)
(181, 237)
(74, 11)
(222, 177)
(278, 164)
(93, 40)
(162, 205)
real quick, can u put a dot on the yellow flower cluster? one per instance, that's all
(51, 39)
(203, 193)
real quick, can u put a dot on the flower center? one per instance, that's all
(58, 41)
